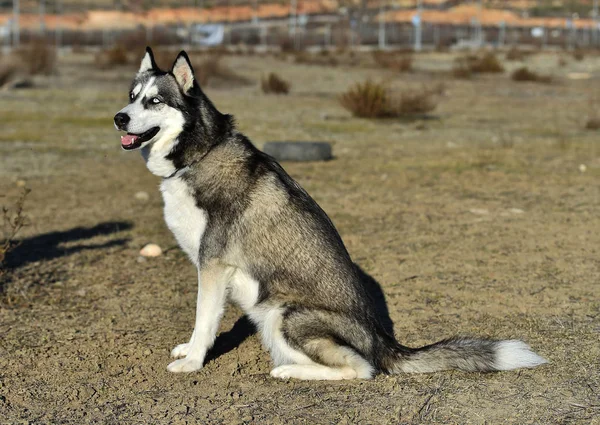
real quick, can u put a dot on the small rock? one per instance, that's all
(20, 183)
(151, 250)
(81, 292)
(147, 352)
(516, 211)
(479, 211)
(582, 168)
(142, 196)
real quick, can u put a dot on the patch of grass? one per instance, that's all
(209, 67)
(8, 71)
(212, 69)
(488, 63)
(113, 57)
(461, 69)
(515, 54)
(13, 220)
(273, 83)
(38, 57)
(394, 61)
(375, 100)
(322, 59)
(465, 67)
(593, 123)
(525, 74)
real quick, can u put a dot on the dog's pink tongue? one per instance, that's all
(128, 139)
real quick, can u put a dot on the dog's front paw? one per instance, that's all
(181, 350)
(185, 365)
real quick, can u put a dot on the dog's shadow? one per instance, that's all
(49, 246)
(244, 328)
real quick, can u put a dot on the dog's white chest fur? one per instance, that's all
(183, 217)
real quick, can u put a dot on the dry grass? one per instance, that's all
(115, 56)
(515, 54)
(209, 67)
(464, 67)
(375, 100)
(525, 74)
(8, 71)
(211, 70)
(394, 61)
(461, 69)
(322, 59)
(273, 83)
(38, 57)
(578, 55)
(13, 220)
(488, 63)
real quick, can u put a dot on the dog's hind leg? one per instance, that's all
(212, 284)
(305, 345)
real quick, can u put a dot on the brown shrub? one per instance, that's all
(488, 63)
(274, 84)
(462, 69)
(593, 123)
(375, 100)
(211, 69)
(115, 56)
(515, 54)
(393, 61)
(367, 100)
(38, 57)
(8, 71)
(578, 55)
(12, 222)
(561, 62)
(306, 58)
(524, 74)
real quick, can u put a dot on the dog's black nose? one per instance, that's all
(121, 120)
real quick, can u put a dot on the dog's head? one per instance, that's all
(157, 104)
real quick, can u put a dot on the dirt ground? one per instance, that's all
(481, 220)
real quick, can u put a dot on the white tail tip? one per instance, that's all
(515, 354)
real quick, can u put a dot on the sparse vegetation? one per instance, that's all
(8, 71)
(115, 56)
(515, 54)
(578, 55)
(464, 67)
(212, 70)
(38, 57)
(394, 61)
(525, 74)
(461, 69)
(488, 63)
(209, 67)
(323, 59)
(13, 220)
(375, 100)
(273, 83)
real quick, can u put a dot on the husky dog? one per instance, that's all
(257, 238)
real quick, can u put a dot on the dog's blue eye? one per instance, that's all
(155, 100)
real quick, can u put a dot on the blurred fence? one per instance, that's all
(351, 29)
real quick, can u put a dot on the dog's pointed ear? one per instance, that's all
(148, 63)
(183, 72)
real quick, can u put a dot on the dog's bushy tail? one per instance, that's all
(471, 355)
